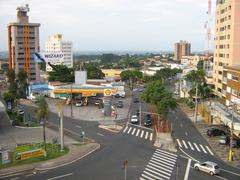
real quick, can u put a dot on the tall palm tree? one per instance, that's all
(42, 113)
(22, 83)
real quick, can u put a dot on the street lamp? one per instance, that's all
(71, 102)
(230, 154)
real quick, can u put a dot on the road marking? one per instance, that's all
(166, 155)
(146, 135)
(28, 175)
(209, 150)
(125, 129)
(179, 144)
(141, 178)
(157, 173)
(186, 133)
(133, 131)
(149, 178)
(230, 172)
(190, 145)
(100, 134)
(221, 177)
(165, 159)
(168, 168)
(184, 144)
(166, 152)
(197, 147)
(142, 134)
(160, 171)
(129, 130)
(162, 161)
(203, 149)
(14, 178)
(137, 132)
(77, 126)
(160, 167)
(58, 177)
(151, 136)
(187, 170)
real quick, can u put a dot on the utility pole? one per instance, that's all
(61, 131)
(140, 112)
(196, 105)
(230, 155)
(71, 102)
(125, 169)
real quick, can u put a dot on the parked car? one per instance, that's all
(136, 100)
(79, 104)
(209, 167)
(119, 104)
(117, 96)
(147, 120)
(134, 119)
(215, 132)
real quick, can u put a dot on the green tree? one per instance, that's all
(158, 96)
(42, 114)
(131, 77)
(22, 84)
(61, 73)
(93, 72)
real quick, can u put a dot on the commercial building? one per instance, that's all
(182, 48)
(55, 44)
(23, 42)
(227, 40)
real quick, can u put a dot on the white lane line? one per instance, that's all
(77, 126)
(167, 168)
(146, 135)
(190, 145)
(209, 150)
(160, 171)
(137, 132)
(142, 134)
(230, 172)
(125, 129)
(166, 152)
(187, 170)
(159, 167)
(29, 175)
(184, 144)
(221, 177)
(196, 147)
(133, 131)
(151, 136)
(156, 173)
(58, 177)
(14, 178)
(165, 156)
(155, 177)
(149, 178)
(141, 178)
(165, 159)
(203, 149)
(129, 130)
(162, 161)
(100, 134)
(179, 144)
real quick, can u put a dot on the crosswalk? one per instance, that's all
(139, 132)
(160, 166)
(194, 146)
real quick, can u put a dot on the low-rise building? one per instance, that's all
(191, 60)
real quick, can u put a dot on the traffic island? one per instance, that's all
(165, 141)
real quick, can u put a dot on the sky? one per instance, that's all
(114, 25)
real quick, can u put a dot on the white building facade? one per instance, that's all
(55, 44)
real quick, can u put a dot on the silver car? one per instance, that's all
(209, 167)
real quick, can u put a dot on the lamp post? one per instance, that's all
(71, 103)
(230, 154)
(196, 104)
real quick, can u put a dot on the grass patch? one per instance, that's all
(53, 151)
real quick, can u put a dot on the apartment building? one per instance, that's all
(192, 60)
(55, 44)
(23, 42)
(182, 48)
(227, 40)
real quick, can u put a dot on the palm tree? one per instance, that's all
(42, 114)
(22, 83)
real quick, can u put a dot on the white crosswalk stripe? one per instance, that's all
(190, 145)
(203, 148)
(125, 129)
(146, 135)
(151, 136)
(209, 150)
(184, 144)
(179, 144)
(137, 132)
(133, 131)
(197, 147)
(142, 134)
(160, 166)
(129, 130)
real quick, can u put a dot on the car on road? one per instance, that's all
(134, 119)
(215, 132)
(208, 167)
(119, 104)
(147, 120)
(136, 100)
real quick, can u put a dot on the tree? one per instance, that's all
(22, 84)
(131, 76)
(93, 72)
(42, 114)
(158, 96)
(61, 73)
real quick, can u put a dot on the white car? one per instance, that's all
(78, 104)
(134, 119)
(209, 167)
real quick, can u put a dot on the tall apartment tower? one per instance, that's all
(56, 44)
(182, 48)
(227, 39)
(23, 42)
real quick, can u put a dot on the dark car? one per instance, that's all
(147, 120)
(119, 104)
(136, 100)
(215, 132)
(226, 141)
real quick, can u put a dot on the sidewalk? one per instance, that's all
(220, 150)
(76, 152)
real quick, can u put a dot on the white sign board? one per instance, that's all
(54, 58)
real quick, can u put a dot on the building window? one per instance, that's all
(219, 81)
(227, 55)
(220, 72)
(219, 90)
(228, 36)
(234, 78)
(228, 26)
(229, 7)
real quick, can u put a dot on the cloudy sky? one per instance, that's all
(92, 25)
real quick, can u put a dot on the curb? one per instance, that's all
(108, 129)
(22, 127)
(43, 169)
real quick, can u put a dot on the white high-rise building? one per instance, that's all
(55, 44)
